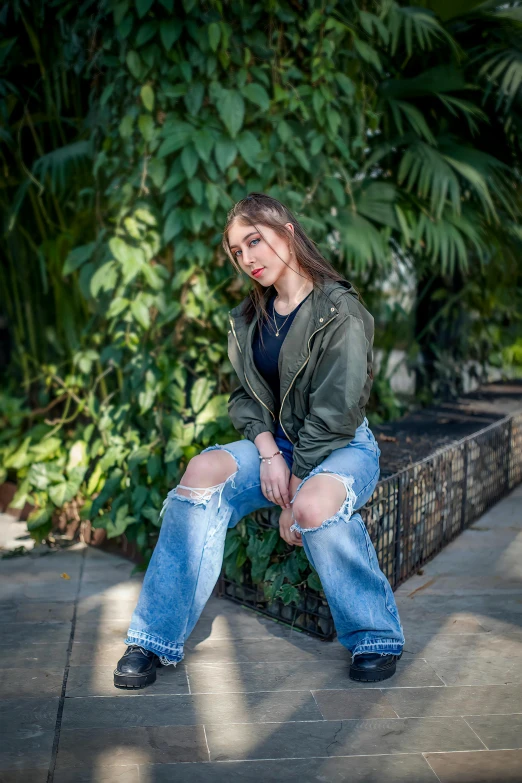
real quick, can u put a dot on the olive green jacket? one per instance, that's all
(325, 371)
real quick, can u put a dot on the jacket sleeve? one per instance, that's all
(246, 414)
(337, 383)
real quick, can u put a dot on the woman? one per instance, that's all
(301, 344)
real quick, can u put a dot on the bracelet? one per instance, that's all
(269, 459)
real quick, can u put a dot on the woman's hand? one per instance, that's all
(276, 477)
(285, 522)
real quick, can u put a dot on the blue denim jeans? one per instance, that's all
(188, 556)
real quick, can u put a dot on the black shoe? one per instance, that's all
(372, 667)
(136, 669)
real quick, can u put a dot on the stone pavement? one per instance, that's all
(255, 701)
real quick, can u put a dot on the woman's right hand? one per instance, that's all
(276, 477)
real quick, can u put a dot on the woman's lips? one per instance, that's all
(258, 272)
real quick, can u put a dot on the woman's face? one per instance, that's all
(253, 251)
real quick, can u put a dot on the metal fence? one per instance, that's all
(412, 515)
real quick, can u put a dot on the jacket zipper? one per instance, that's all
(297, 373)
(244, 372)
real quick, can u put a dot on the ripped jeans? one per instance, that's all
(188, 557)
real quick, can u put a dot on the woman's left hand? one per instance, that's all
(291, 537)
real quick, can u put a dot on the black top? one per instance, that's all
(266, 359)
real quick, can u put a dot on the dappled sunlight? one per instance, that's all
(118, 755)
(509, 562)
(123, 593)
(248, 704)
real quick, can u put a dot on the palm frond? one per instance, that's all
(488, 177)
(414, 117)
(469, 110)
(424, 171)
(415, 27)
(362, 243)
(17, 202)
(503, 71)
(62, 163)
(449, 9)
(447, 241)
(436, 81)
(376, 201)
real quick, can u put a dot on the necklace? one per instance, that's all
(279, 328)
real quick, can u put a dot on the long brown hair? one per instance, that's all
(268, 211)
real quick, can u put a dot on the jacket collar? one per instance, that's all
(314, 314)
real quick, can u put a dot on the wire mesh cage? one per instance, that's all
(410, 517)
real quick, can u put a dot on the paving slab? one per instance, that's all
(446, 645)
(31, 749)
(347, 704)
(472, 700)
(36, 656)
(99, 773)
(16, 635)
(27, 717)
(19, 612)
(99, 681)
(26, 683)
(403, 768)
(230, 625)
(299, 739)
(287, 676)
(497, 732)
(292, 649)
(501, 766)
(34, 775)
(158, 710)
(484, 668)
(138, 745)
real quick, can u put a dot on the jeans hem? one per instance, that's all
(167, 652)
(380, 646)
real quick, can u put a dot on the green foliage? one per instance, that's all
(260, 555)
(129, 130)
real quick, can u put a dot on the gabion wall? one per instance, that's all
(412, 515)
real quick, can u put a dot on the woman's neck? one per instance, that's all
(290, 294)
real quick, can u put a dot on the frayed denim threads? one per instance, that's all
(169, 654)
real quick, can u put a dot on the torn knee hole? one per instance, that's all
(204, 494)
(347, 481)
(346, 509)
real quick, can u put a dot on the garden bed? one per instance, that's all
(419, 433)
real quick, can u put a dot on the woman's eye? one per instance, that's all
(253, 240)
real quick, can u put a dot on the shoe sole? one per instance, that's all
(134, 682)
(377, 676)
